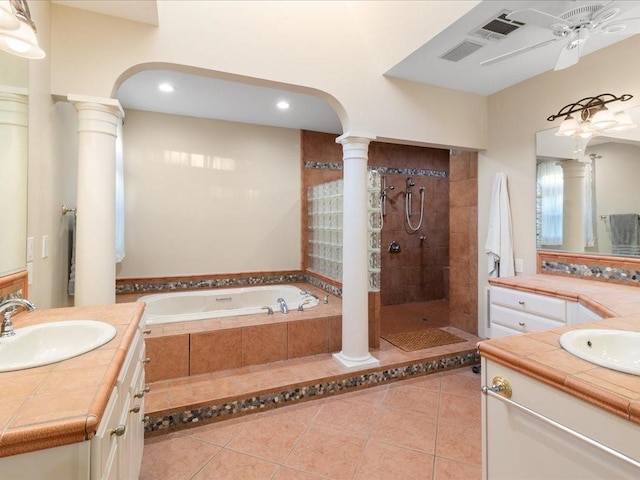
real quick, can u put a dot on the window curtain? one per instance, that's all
(119, 196)
(550, 184)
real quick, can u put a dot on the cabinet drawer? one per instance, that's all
(550, 307)
(520, 321)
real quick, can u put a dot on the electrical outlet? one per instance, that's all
(519, 265)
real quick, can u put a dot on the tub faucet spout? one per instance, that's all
(283, 306)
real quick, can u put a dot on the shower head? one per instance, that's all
(384, 190)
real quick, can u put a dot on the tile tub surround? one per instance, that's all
(539, 355)
(63, 403)
(202, 346)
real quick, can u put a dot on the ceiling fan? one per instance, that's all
(573, 27)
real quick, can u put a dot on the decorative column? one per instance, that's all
(573, 174)
(355, 309)
(95, 261)
(14, 125)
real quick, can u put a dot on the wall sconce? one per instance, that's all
(17, 30)
(594, 117)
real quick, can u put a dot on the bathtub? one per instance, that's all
(227, 302)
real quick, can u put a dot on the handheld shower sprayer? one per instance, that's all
(408, 205)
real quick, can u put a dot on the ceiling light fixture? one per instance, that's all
(166, 87)
(594, 117)
(18, 31)
(283, 105)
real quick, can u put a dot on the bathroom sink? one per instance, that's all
(52, 342)
(614, 349)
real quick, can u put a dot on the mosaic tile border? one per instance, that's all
(11, 296)
(175, 285)
(592, 272)
(416, 172)
(297, 394)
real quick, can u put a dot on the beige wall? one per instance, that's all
(206, 197)
(337, 50)
(516, 113)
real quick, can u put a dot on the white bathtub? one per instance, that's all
(227, 302)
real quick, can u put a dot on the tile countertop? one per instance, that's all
(540, 356)
(63, 403)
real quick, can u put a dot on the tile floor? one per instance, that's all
(424, 428)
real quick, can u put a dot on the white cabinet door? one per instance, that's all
(518, 445)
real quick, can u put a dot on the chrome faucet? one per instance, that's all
(7, 324)
(283, 306)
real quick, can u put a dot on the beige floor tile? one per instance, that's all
(407, 430)
(230, 465)
(219, 433)
(328, 453)
(384, 462)
(174, 457)
(286, 473)
(267, 437)
(459, 442)
(347, 416)
(412, 399)
(459, 409)
(463, 382)
(446, 469)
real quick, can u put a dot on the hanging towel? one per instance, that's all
(624, 234)
(499, 244)
(71, 285)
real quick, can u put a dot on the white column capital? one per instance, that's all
(573, 169)
(14, 109)
(99, 115)
(353, 137)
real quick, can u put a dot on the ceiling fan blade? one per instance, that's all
(519, 51)
(629, 26)
(531, 16)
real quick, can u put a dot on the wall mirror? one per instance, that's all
(14, 82)
(587, 196)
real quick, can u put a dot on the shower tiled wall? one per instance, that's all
(463, 238)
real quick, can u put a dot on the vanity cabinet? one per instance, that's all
(115, 452)
(513, 312)
(542, 432)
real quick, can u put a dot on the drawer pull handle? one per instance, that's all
(521, 302)
(521, 324)
(135, 409)
(118, 431)
(145, 419)
(146, 360)
(501, 386)
(147, 331)
(141, 393)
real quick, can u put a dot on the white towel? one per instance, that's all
(499, 244)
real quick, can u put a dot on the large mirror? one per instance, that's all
(588, 200)
(14, 81)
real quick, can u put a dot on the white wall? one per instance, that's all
(205, 196)
(517, 113)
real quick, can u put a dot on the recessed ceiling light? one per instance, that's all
(283, 105)
(166, 87)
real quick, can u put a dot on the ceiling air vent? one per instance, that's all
(497, 27)
(461, 50)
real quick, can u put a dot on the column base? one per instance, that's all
(356, 364)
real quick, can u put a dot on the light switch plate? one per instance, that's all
(519, 265)
(45, 246)
(30, 249)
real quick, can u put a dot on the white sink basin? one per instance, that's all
(52, 342)
(614, 349)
